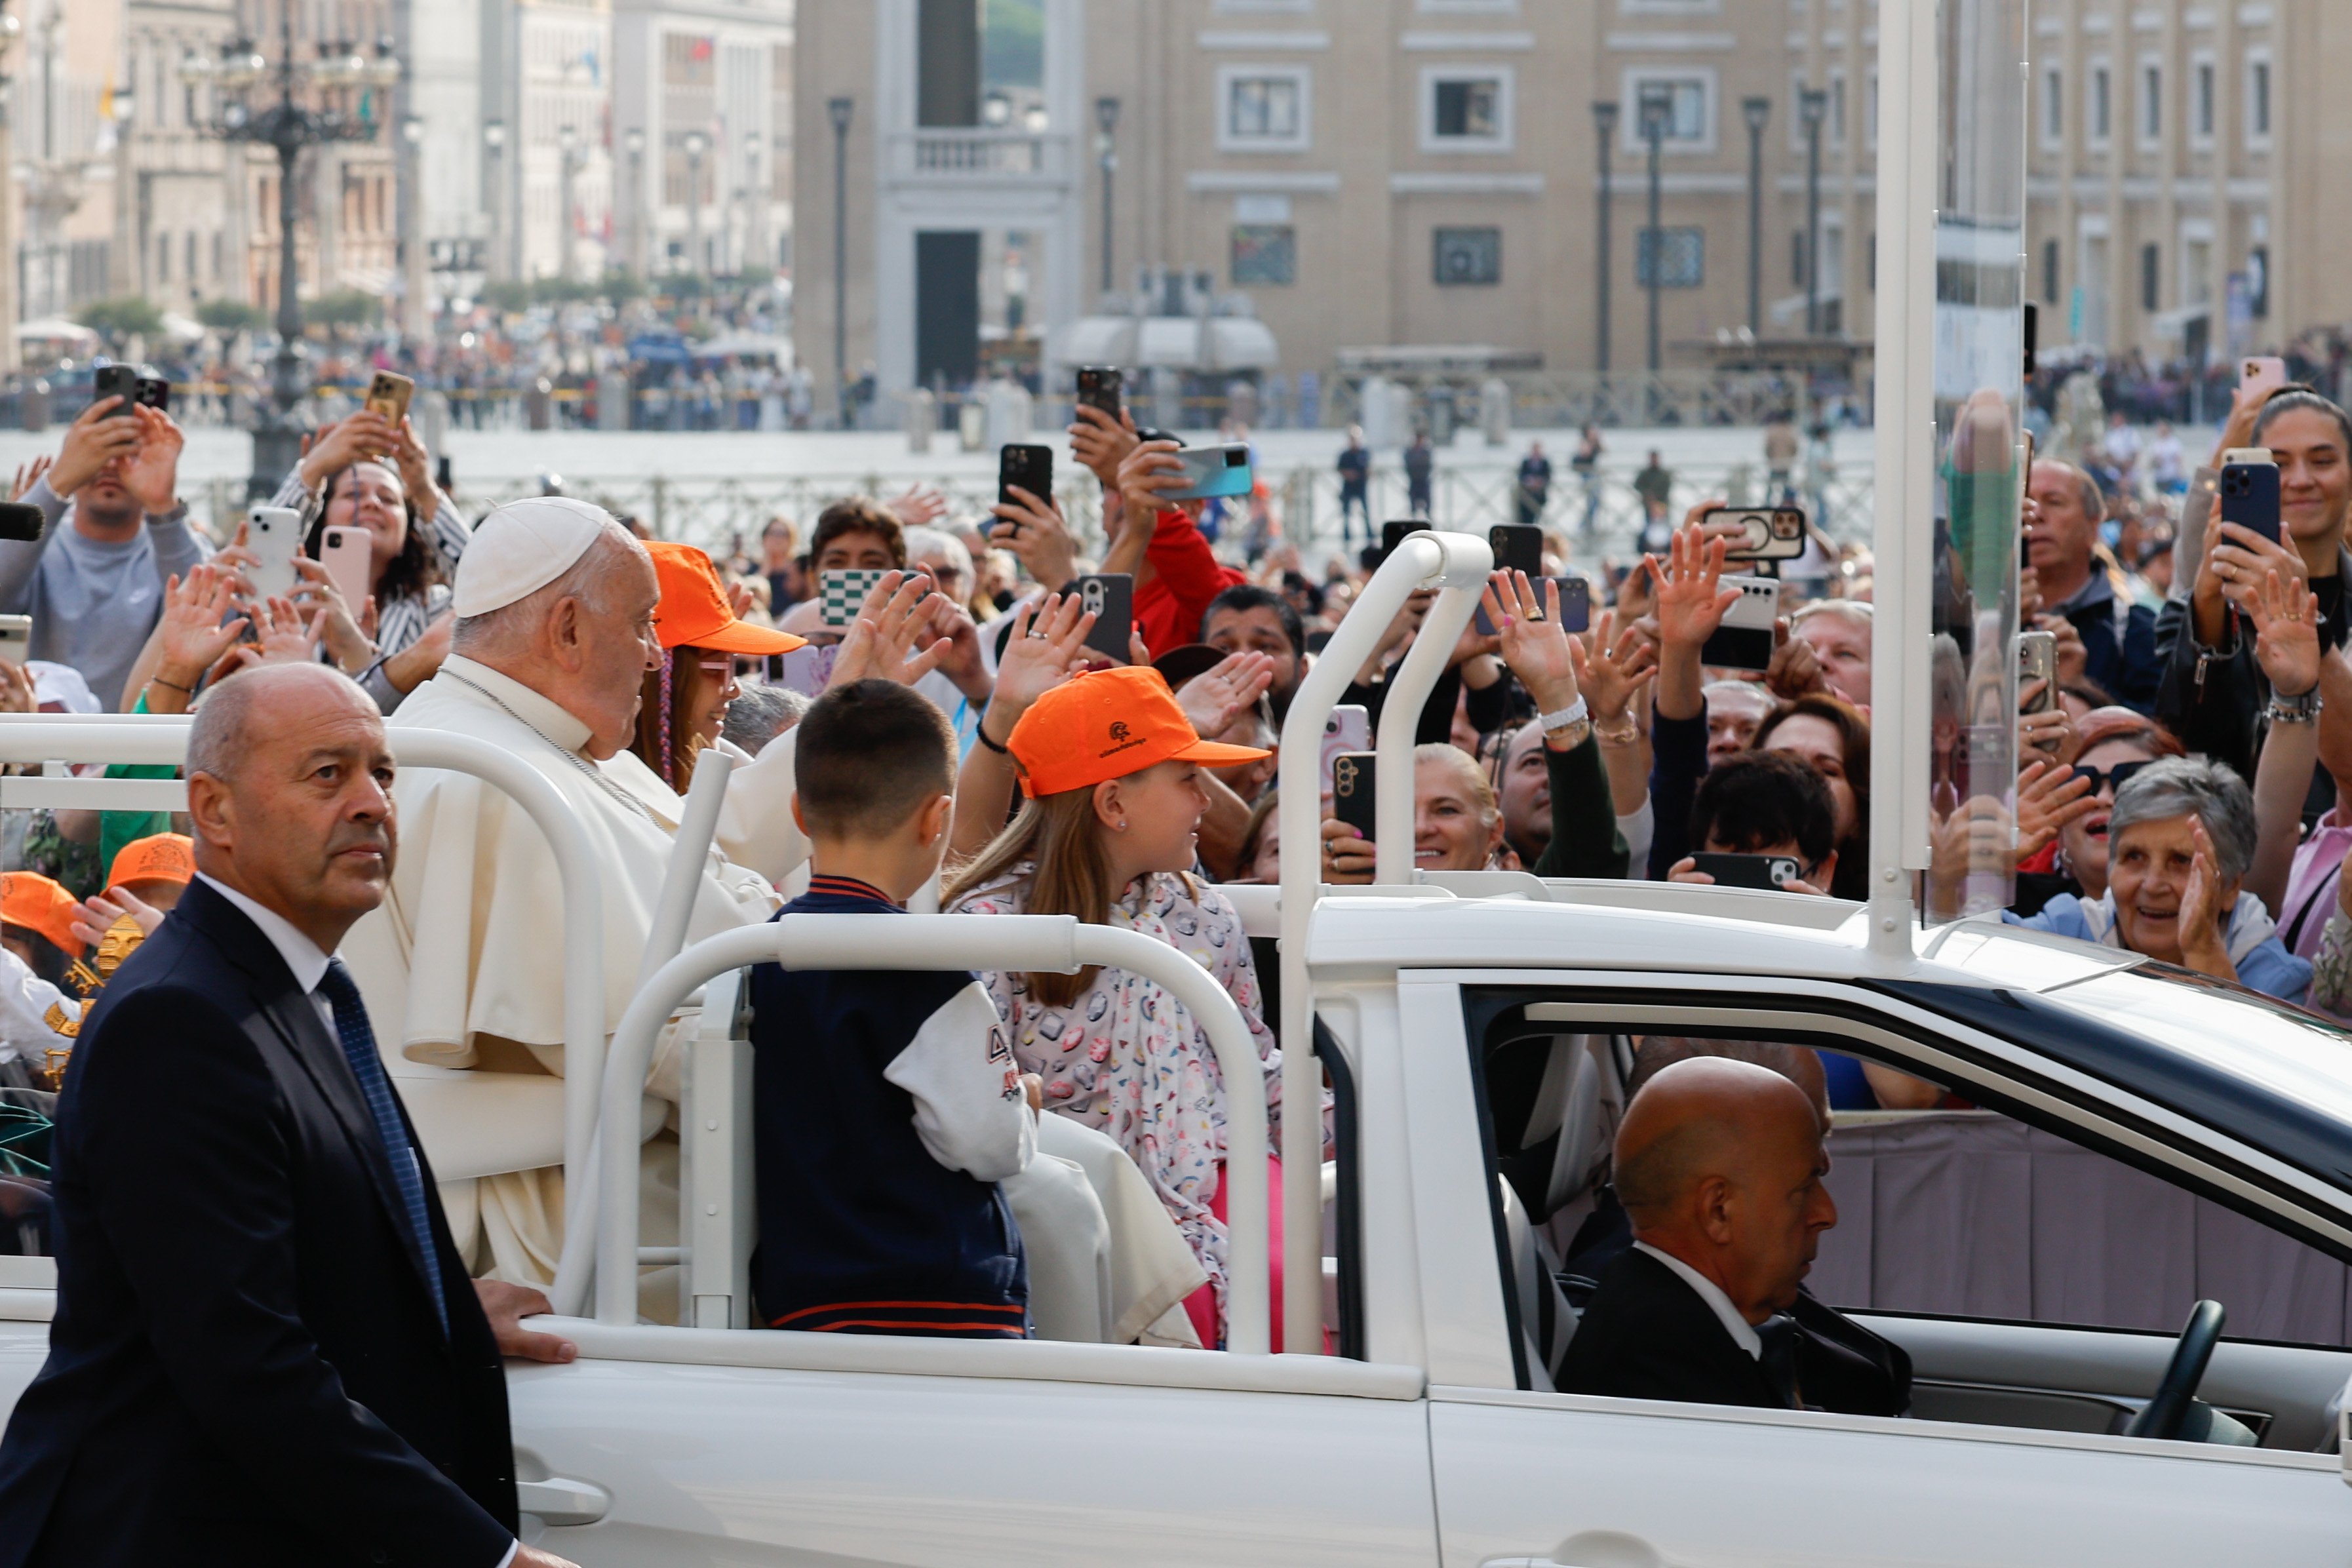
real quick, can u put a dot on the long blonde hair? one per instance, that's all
(1072, 875)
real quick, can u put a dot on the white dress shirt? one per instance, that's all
(1742, 1332)
(308, 966)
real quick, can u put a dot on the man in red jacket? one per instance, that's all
(1176, 573)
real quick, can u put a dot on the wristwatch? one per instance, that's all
(2301, 708)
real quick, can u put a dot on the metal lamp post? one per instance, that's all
(415, 296)
(567, 146)
(1657, 112)
(130, 270)
(697, 145)
(1812, 105)
(839, 110)
(1604, 125)
(309, 111)
(1759, 111)
(494, 141)
(633, 141)
(1107, 159)
(10, 27)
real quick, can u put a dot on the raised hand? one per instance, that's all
(1533, 643)
(1612, 672)
(2202, 947)
(1101, 443)
(1049, 641)
(881, 642)
(28, 476)
(364, 436)
(338, 622)
(152, 476)
(196, 627)
(285, 635)
(2052, 732)
(1216, 696)
(415, 466)
(918, 505)
(95, 915)
(1030, 526)
(1691, 600)
(2285, 617)
(2049, 796)
(99, 435)
(1795, 670)
(1148, 469)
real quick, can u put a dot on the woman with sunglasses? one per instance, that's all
(684, 705)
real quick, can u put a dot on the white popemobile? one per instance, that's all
(1471, 1028)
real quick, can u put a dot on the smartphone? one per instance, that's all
(1213, 473)
(15, 640)
(2037, 660)
(2249, 490)
(843, 590)
(1575, 606)
(1099, 386)
(1518, 547)
(1744, 641)
(155, 392)
(1349, 729)
(349, 556)
(1767, 873)
(1392, 535)
(388, 394)
(441, 473)
(1109, 598)
(1352, 790)
(1765, 533)
(274, 534)
(2261, 374)
(1030, 468)
(2032, 340)
(115, 381)
(20, 522)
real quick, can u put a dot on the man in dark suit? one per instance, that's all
(266, 1349)
(1718, 1163)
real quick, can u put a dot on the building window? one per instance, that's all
(1265, 252)
(2050, 272)
(1264, 109)
(1465, 109)
(1467, 256)
(1837, 109)
(2200, 101)
(1797, 259)
(162, 259)
(1690, 108)
(2103, 103)
(2151, 100)
(2258, 101)
(1675, 257)
(2054, 106)
(2151, 278)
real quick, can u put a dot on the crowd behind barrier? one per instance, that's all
(1073, 705)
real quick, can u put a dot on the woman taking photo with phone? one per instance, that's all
(1109, 832)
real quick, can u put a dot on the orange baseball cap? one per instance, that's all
(158, 857)
(694, 612)
(1107, 724)
(29, 899)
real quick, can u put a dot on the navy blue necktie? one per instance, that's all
(1779, 1335)
(358, 1049)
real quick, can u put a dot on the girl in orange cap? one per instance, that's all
(685, 701)
(1111, 766)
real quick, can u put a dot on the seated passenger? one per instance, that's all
(1719, 1165)
(2179, 842)
(886, 1104)
(1108, 833)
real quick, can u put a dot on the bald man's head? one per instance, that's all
(1719, 1164)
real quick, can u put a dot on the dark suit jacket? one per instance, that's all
(1647, 1335)
(246, 1365)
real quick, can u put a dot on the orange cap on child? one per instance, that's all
(29, 899)
(158, 858)
(1107, 724)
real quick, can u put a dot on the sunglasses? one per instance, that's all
(2113, 778)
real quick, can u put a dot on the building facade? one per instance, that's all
(182, 225)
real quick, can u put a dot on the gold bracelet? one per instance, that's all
(1623, 733)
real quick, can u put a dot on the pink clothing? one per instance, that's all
(2311, 884)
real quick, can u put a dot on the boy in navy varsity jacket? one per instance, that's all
(888, 1104)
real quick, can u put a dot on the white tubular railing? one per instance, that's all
(1457, 562)
(163, 741)
(1055, 943)
(1460, 574)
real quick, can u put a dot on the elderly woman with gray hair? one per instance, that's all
(2180, 842)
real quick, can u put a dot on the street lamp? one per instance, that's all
(696, 145)
(838, 110)
(633, 140)
(1107, 159)
(415, 291)
(567, 145)
(131, 274)
(1812, 105)
(1604, 125)
(1759, 111)
(308, 112)
(1657, 111)
(494, 139)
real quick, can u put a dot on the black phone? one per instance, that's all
(1109, 598)
(20, 522)
(1392, 535)
(2032, 338)
(441, 472)
(1767, 873)
(115, 381)
(1030, 468)
(1746, 638)
(1518, 547)
(1100, 386)
(1575, 606)
(2250, 496)
(155, 392)
(1352, 790)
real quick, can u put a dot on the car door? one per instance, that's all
(689, 1460)
(1525, 1476)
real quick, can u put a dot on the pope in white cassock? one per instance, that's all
(462, 966)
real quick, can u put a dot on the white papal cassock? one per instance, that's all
(462, 967)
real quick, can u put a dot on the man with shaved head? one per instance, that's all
(1719, 1164)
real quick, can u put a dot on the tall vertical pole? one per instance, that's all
(1106, 152)
(1758, 110)
(1812, 220)
(1604, 123)
(1654, 126)
(840, 110)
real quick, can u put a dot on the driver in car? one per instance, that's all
(1718, 1164)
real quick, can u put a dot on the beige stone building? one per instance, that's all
(2186, 175)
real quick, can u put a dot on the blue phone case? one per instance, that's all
(1210, 474)
(2250, 498)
